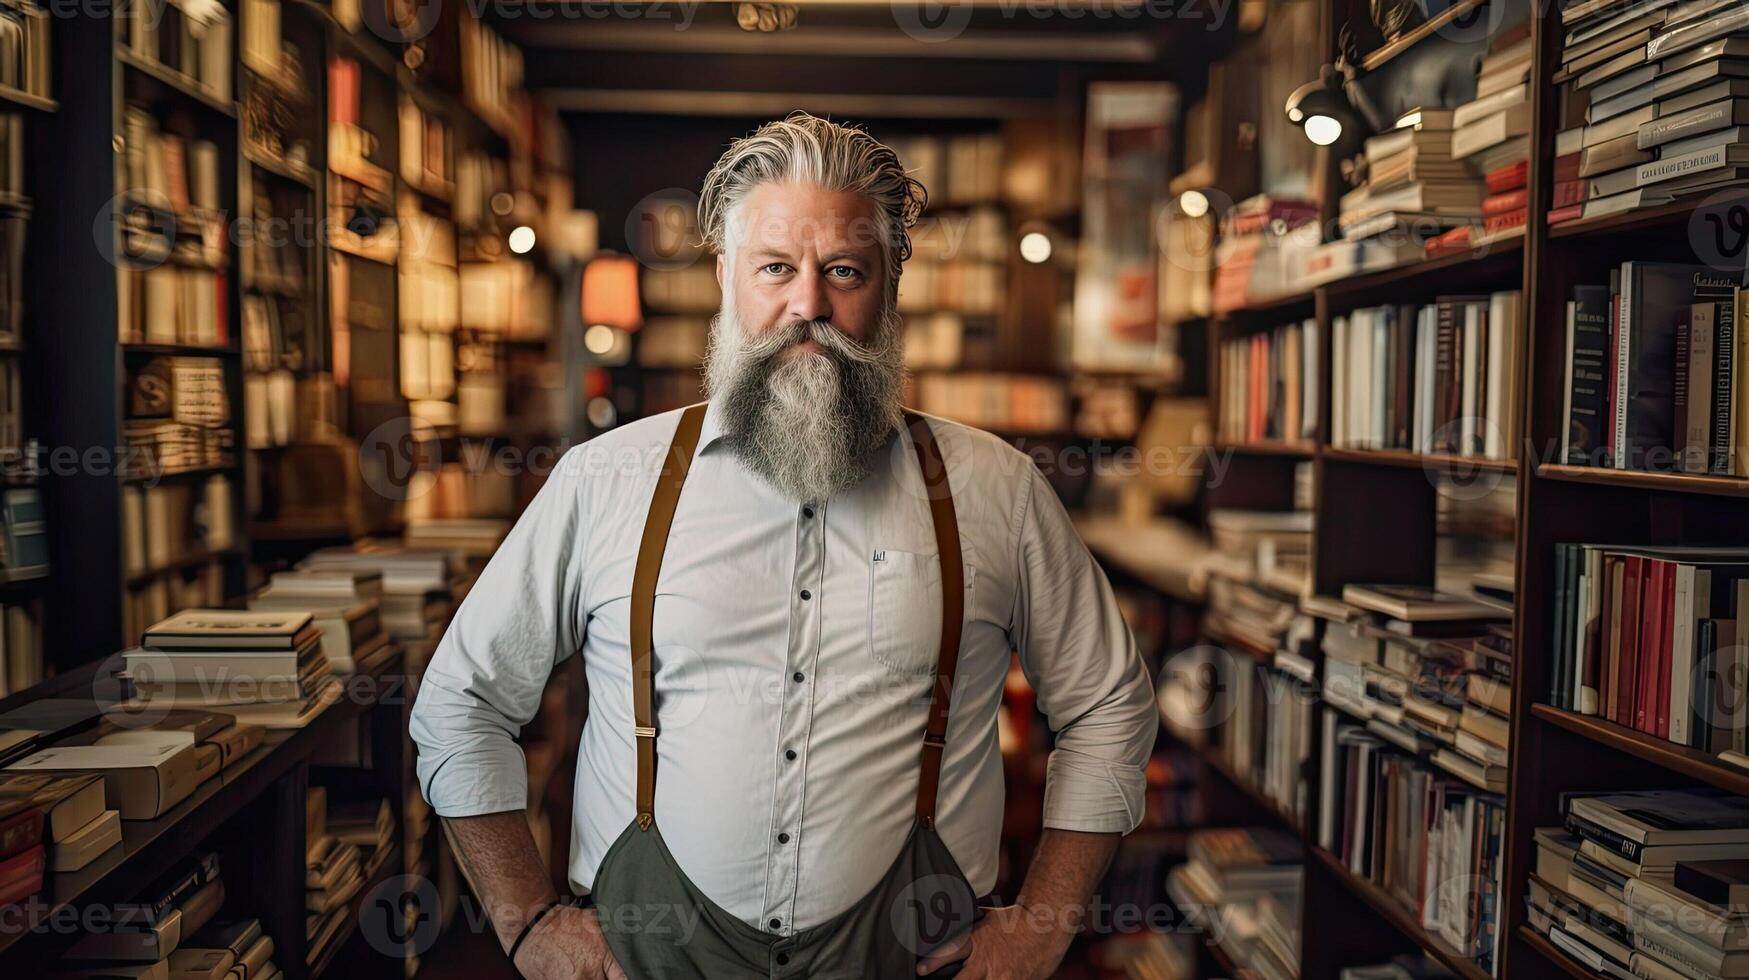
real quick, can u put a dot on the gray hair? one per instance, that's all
(804, 147)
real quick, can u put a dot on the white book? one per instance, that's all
(1494, 410)
(1693, 602)
(1309, 371)
(1378, 438)
(1339, 383)
(1359, 374)
(1472, 379)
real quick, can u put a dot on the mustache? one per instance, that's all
(833, 341)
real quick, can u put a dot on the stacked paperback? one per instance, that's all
(264, 667)
(1439, 378)
(344, 847)
(419, 588)
(345, 604)
(1648, 638)
(1263, 249)
(1429, 674)
(1415, 190)
(1650, 104)
(1647, 884)
(1492, 134)
(51, 822)
(1652, 369)
(1242, 887)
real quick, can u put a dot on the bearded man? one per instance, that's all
(796, 605)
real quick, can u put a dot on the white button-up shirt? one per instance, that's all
(795, 643)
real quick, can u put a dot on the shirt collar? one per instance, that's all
(711, 432)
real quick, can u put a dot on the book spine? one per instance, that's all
(1723, 385)
(21, 831)
(1446, 367)
(1603, 837)
(1618, 393)
(1679, 386)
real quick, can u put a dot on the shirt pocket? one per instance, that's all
(904, 609)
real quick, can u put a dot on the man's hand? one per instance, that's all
(1009, 943)
(567, 945)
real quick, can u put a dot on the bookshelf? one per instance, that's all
(1362, 497)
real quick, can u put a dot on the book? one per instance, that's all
(68, 802)
(142, 781)
(86, 844)
(1415, 604)
(1717, 883)
(197, 629)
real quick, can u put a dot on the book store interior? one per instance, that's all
(1279, 591)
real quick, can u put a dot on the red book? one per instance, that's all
(1626, 692)
(1449, 242)
(21, 827)
(1259, 399)
(1666, 641)
(1651, 662)
(1567, 166)
(1501, 222)
(1571, 212)
(1505, 203)
(1569, 193)
(1599, 665)
(21, 875)
(1508, 178)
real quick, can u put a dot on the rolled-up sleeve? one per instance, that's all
(484, 682)
(1081, 659)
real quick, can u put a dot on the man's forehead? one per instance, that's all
(799, 215)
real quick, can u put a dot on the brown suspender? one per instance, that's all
(650, 550)
(953, 600)
(649, 566)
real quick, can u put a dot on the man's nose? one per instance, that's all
(808, 297)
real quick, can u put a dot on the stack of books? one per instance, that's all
(263, 667)
(1492, 134)
(1415, 190)
(1647, 884)
(1242, 886)
(1653, 360)
(160, 924)
(345, 604)
(1263, 250)
(1424, 671)
(1439, 378)
(142, 780)
(215, 735)
(419, 588)
(1649, 105)
(1432, 841)
(1648, 637)
(1269, 385)
(334, 871)
(72, 825)
(474, 538)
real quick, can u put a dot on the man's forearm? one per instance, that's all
(1066, 868)
(497, 855)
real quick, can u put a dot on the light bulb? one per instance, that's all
(1323, 130)
(521, 239)
(599, 338)
(1194, 204)
(1035, 247)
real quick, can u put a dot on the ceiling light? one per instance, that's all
(521, 239)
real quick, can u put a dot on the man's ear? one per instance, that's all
(720, 270)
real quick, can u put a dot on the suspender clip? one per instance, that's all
(930, 738)
(643, 731)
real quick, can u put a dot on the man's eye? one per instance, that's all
(842, 272)
(775, 268)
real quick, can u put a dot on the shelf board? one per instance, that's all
(1553, 954)
(185, 473)
(1272, 306)
(1492, 259)
(1662, 215)
(175, 81)
(302, 176)
(1692, 763)
(1389, 909)
(1432, 462)
(1298, 450)
(1372, 60)
(1724, 486)
(25, 100)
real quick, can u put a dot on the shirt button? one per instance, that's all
(782, 958)
(797, 677)
(806, 594)
(789, 754)
(777, 923)
(783, 838)
(808, 512)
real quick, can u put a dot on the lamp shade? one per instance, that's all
(610, 293)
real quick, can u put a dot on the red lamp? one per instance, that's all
(610, 293)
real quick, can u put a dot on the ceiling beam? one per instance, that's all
(775, 104)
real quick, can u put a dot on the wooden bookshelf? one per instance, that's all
(1691, 763)
(1729, 486)
(1400, 917)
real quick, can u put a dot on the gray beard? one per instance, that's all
(807, 423)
